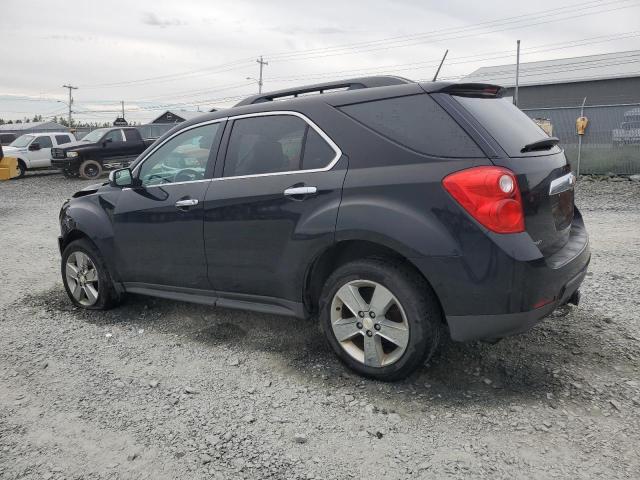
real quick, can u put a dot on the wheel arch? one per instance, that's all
(72, 236)
(87, 220)
(346, 251)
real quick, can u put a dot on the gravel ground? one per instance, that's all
(159, 389)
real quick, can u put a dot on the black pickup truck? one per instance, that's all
(100, 149)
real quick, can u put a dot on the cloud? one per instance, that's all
(150, 18)
(67, 38)
(291, 30)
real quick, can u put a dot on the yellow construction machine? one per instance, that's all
(8, 166)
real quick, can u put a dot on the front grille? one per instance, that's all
(57, 153)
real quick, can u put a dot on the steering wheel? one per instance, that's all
(158, 176)
(187, 175)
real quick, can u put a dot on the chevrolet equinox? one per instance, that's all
(391, 211)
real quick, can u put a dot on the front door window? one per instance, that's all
(183, 158)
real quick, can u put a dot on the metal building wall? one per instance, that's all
(599, 92)
(599, 153)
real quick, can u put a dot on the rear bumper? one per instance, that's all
(502, 285)
(483, 327)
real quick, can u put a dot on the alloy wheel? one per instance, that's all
(91, 171)
(82, 278)
(369, 323)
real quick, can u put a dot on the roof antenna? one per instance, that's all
(440, 66)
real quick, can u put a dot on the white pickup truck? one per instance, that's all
(33, 150)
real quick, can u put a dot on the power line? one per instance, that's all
(461, 60)
(392, 42)
(398, 38)
(170, 77)
(511, 23)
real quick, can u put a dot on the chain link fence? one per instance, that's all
(611, 143)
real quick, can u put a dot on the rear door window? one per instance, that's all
(114, 135)
(275, 143)
(131, 135)
(416, 122)
(62, 139)
(506, 123)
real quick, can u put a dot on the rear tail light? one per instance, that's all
(490, 195)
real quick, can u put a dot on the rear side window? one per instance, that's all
(507, 124)
(131, 135)
(62, 139)
(317, 152)
(416, 122)
(272, 144)
(114, 135)
(44, 142)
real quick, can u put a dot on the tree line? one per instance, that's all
(62, 121)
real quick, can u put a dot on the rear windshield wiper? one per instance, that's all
(544, 144)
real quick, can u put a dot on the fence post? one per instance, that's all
(580, 140)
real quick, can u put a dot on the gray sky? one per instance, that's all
(204, 50)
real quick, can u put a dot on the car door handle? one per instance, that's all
(189, 202)
(294, 191)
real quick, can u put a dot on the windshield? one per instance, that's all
(22, 141)
(95, 135)
(506, 123)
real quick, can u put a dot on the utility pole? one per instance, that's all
(262, 64)
(70, 87)
(515, 93)
(122, 102)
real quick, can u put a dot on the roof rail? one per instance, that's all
(349, 84)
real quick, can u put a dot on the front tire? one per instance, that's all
(86, 278)
(22, 168)
(90, 169)
(381, 318)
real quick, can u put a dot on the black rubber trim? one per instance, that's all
(465, 328)
(254, 303)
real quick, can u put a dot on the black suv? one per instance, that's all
(392, 211)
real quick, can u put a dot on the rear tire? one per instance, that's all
(403, 334)
(86, 278)
(90, 169)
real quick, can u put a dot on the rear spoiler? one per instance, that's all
(479, 90)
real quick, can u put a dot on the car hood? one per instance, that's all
(75, 145)
(13, 150)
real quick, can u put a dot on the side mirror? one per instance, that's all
(123, 177)
(34, 146)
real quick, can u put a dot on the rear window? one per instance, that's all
(416, 122)
(507, 124)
